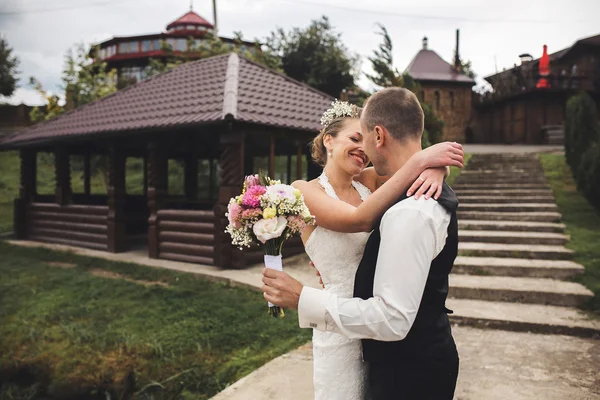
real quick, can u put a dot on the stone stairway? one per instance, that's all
(513, 270)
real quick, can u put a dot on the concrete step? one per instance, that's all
(539, 252)
(485, 180)
(510, 216)
(499, 186)
(506, 199)
(513, 226)
(504, 193)
(517, 267)
(519, 290)
(509, 207)
(502, 174)
(523, 317)
(543, 238)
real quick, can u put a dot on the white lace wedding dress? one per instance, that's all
(339, 372)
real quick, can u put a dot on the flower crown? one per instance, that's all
(339, 109)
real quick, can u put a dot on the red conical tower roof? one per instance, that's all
(190, 18)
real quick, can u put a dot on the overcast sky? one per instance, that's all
(492, 34)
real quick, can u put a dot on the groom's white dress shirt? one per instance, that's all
(413, 232)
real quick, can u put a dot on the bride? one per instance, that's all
(347, 200)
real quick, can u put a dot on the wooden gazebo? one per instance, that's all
(220, 118)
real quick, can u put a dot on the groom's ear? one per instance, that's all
(380, 135)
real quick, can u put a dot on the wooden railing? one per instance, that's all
(187, 236)
(74, 225)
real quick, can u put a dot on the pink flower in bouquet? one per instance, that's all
(251, 213)
(296, 223)
(252, 180)
(252, 196)
(233, 214)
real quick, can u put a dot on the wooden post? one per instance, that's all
(232, 175)
(116, 200)
(26, 192)
(63, 177)
(299, 161)
(272, 158)
(157, 191)
(191, 177)
(87, 174)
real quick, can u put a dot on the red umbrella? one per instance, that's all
(544, 69)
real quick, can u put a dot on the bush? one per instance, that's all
(582, 145)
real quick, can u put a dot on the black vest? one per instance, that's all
(430, 335)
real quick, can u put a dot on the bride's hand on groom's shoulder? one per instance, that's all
(442, 155)
(428, 184)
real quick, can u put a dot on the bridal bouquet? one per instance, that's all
(267, 213)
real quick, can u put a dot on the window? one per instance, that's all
(45, 178)
(452, 100)
(128, 47)
(156, 44)
(171, 43)
(76, 165)
(208, 179)
(191, 27)
(180, 45)
(179, 28)
(102, 54)
(175, 178)
(146, 45)
(134, 175)
(437, 100)
(136, 73)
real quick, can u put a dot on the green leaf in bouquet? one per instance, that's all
(262, 177)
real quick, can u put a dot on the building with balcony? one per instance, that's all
(187, 35)
(517, 111)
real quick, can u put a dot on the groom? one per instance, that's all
(401, 284)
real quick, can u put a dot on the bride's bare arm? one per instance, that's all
(339, 216)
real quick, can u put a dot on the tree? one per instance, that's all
(84, 80)
(315, 56)
(465, 67)
(386, 75)
(8, 69)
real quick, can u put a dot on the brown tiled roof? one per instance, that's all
(190, 18)
(429, 66)
(198, 92)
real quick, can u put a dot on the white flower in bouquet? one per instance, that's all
(279, 192)
(269, 228)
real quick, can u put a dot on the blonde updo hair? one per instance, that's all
(318, 150)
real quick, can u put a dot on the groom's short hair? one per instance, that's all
(396, 109)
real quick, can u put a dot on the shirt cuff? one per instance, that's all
(312, 307)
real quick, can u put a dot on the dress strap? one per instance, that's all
(324, 182)
(362, 190)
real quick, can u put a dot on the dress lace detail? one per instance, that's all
(339, 372)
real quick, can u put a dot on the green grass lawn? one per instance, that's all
(455, 172)
(582, 221)
(65, 332)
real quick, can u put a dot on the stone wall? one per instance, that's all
(452, 104)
